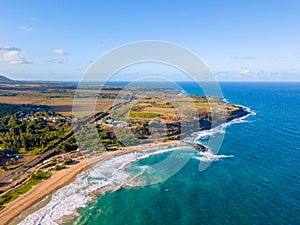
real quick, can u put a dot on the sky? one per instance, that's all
(255, 40)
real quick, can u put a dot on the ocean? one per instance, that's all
(256, 179)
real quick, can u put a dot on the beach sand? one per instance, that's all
(60, 179)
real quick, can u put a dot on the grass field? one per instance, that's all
(60, 96)
(59, 105)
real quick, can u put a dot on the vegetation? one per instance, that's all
(32, 130)
(154, 118)
(68, 162)
(8, 109)
(34, 180)
(95, 94)
(68, 146)
(59, 167)
(145, 114)
(4, 168)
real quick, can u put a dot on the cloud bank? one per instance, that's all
(26, 29)
(59, 52)
(13, 55)
(245, 71)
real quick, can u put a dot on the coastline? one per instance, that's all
(61, 178)
(20, 207)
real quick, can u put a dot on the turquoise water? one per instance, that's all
(259, 185)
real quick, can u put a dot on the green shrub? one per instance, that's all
(68, 162)
(144, 114)
(34, 179)
(57, 167)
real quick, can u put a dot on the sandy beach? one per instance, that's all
(60, 179)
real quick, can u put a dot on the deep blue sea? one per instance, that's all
(259, 185)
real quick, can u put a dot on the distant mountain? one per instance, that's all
(5, 80)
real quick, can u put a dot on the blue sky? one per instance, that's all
(238, 40)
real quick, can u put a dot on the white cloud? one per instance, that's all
(103, 41)
(33, 19)
(245, 71)
(26, 29)
(13, 55)
(59, 52)
(5, 48)
(243, 57)
(58, 60)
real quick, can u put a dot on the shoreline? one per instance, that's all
(60, 179)
(18, 209)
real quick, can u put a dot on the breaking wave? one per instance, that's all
(209, 157)
(204, 134)
(108, 175)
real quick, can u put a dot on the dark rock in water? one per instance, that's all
(241, 112)
(205, 124)
(199, 146)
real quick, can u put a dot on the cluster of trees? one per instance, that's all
(140, 132)
(69, 145)
(112, 96)
(144, 114)
(94, 94)
(38, 133)
(108, 138)
(86, 140)
(7, 109)
(8, 94)
(127, 136)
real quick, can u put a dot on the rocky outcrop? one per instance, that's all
(240, 112)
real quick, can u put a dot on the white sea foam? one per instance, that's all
(247, 109)
(204, 134)
(109, 175)
(182, 92)
(209, 156)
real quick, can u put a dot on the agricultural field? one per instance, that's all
(162, 117)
